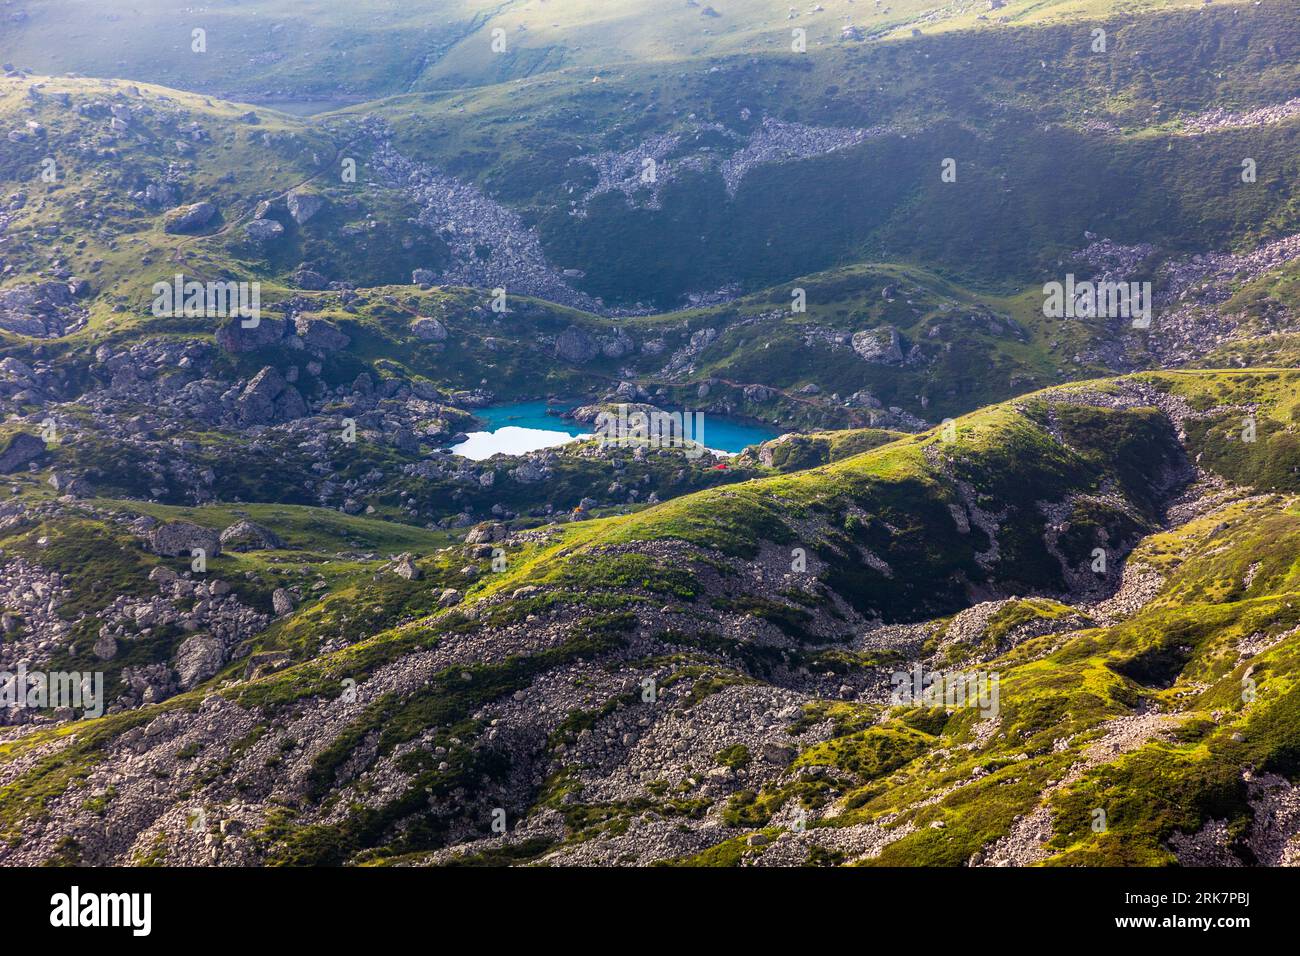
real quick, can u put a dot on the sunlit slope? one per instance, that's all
(1013, 108)
(329, 51)
(1012, 501)
(278, 49)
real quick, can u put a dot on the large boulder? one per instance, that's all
(321, 333)
(105, 648)
(575, 345)
(268, 399)
(188, 218)
(197, 659)
(881, 346)
(405, 567)
(486, 533)
(178, 538)
(246, 536)
(20, 449)
(43, 310)
(233, 337)
(534, 468)
(263, 230)
(16, 370)
(282, 602)
(68, 484)
(617, 345)
(429, 330)
(304, 204)
(310, 279)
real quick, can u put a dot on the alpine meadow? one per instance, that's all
(649, 433)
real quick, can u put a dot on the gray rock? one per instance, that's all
(247, 536)
(575, 345)
(282, 602)
(66, 484)
(617, 345)
(879, 346)
(233, 337)
(21, 449)
(188, 218)
(197, 659)
(268, 400)
(311, 280)
(533, 469)
(404, 567)
(321, 334)
(486, 533)
(43, 310)
(263, 230)
(163, 575)
(429, 330)
(177, 538)
(304, 204)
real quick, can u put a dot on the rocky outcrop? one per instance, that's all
(247, 536)
(429, 329)
(269, 399)
(21, 449)
(405, 567)
(575, 345)
(68, 484)
(579, 346)
(881, 346)
(189, 218)
(236, 339)
(197, 659)
(486, 533)
(44, 310)
(282, 602)
(178, 538)
(262, 231)
(321, 334)
(304, 204)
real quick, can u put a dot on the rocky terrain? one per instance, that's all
(739, 708)
(1008, 588)
(652, 165)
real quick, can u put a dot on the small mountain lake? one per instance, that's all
(526, 426)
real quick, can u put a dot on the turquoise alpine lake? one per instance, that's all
(530, 426)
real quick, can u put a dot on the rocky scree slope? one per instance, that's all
(769, 736)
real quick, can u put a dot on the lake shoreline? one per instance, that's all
(520, 428)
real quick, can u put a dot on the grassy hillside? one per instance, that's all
(331, 640)
(984, 242)
(880, 529)
(320, 52)
(1013, 106)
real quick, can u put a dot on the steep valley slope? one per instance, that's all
(326, 638)
(663, 687)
